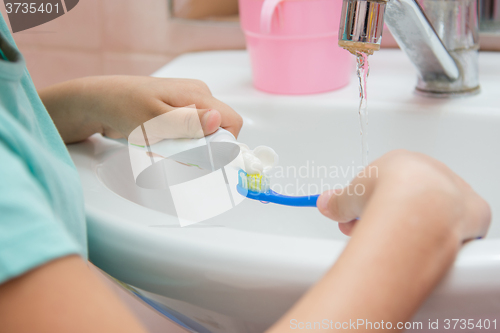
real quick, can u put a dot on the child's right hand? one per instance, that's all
(410, 185)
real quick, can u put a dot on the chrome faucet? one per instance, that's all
(440, 37)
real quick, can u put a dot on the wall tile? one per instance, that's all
(117, 37)
(187, 36)
(49, 66)
(490, 42)
(132, 25)
(145, 27)
(133, 63)
(80, 28)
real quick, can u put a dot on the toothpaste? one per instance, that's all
(258, 161)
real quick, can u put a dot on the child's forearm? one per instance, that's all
(62, 296)
(386, 271)
(69, 106)
(415, 214)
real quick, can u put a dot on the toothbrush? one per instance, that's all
(257, 187)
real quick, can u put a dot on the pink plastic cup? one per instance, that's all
(293, 45)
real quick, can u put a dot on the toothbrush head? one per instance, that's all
(255, 183)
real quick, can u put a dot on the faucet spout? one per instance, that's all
(444, 54)
(361, 25)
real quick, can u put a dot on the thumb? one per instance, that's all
(181, 123)
(210, 120)
(346, 204)
(333, 204)
(337, 205)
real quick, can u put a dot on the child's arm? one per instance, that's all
(63, 296)
(116, 105)
(414, 217)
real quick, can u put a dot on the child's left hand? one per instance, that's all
(116, 105)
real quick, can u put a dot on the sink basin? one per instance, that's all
(241, 270)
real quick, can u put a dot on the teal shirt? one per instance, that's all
(41, 201)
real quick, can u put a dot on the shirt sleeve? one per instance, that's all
(30, 233)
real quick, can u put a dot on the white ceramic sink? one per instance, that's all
(238, 272)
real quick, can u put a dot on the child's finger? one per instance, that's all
(210, 120)
(346, 204)
(331, 204)
(230, 120)
(347, 228)
(186, 122)
(479, 222)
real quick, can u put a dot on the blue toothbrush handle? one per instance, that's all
(280, 199)
(303, 201)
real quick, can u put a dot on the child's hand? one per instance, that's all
(415, 213)
(116, 105)
(412, 185)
